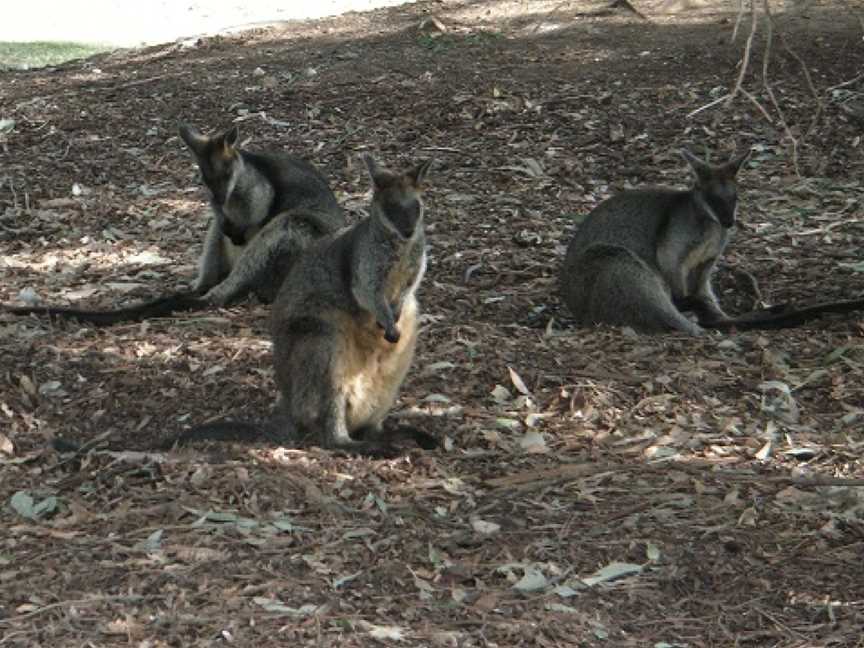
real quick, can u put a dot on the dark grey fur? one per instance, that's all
(643, 256)
(269, 205)
(345, 325)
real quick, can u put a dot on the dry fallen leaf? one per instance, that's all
(6, 446)
(518, 383)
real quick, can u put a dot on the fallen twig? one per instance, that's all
(739, 89)
(745, 64)
(745, 61)
(532, 478)
(122, 598)
(845, 84)
(769, 23)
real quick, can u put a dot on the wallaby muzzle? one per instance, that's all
(722, 210)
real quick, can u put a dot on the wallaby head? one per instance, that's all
(396, 199)
(716, 189)
(217, 157)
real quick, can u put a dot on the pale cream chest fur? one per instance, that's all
(373, 369)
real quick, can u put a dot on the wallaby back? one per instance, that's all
(248, 189)
(641, 251)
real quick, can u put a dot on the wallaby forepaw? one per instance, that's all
(392, 335)
(201, 286)
(713, 317)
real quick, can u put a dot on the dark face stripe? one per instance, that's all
(724, 209)
(403, 217)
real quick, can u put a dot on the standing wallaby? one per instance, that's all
(643, 256)
(345, 326)
(267, 208)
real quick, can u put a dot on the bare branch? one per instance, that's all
(739, 89)
(819, 105)
(766, 62)
(745, 63)
(758, 106)
(738, 19)
(795, 141)
(845, 83)
(709, 105)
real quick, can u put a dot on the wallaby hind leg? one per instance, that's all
(623, 290)
(388, 432)
(401, 431)
(311, 381)
(705, 303)
(212, 266)
(258, 268)
(706, 309)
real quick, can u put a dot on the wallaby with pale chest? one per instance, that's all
(266, 209)
(644, 256)
(345, 327)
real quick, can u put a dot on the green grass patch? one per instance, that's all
(22, 56)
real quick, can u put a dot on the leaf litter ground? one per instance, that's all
(596, 487)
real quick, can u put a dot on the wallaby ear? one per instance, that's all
(734, 165)
(700, 167)
(193, 138)
(378, 174)
(227, 140)
(417, 175)
(231, 135)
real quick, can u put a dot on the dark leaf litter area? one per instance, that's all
(595, 487)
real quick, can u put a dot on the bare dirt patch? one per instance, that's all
(696, 463)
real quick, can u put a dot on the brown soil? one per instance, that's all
(697, 460)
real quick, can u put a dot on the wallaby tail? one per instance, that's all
(157, 307)
(225, 431)
(228, 431)
(421, 438)
(785, 316)
(272, 431)
(371, 443)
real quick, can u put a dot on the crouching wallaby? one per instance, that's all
(345, 326)
(644, 256)
(267, 207)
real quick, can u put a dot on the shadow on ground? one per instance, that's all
(690, 461)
